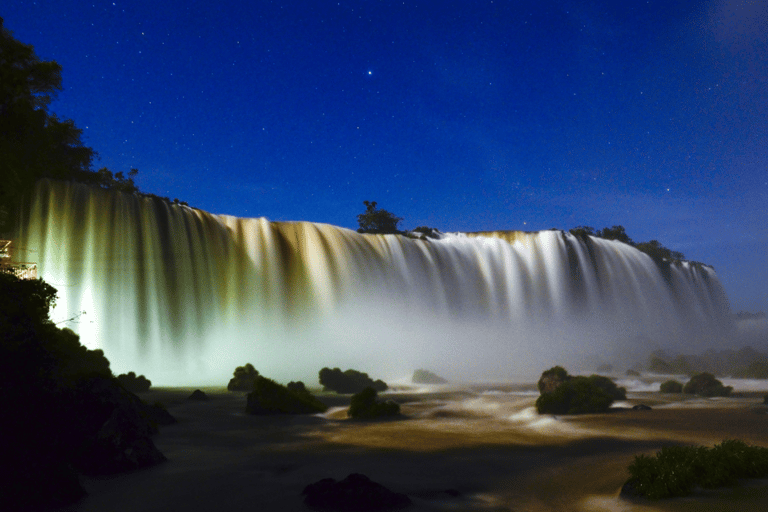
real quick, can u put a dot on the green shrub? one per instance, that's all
(349, 381)
(705, 384)
(269, 397)
(677, 470)
(243, 379)
(576, 395)
(364, 406)
(610, 387)
(133, 383)
(671, 386)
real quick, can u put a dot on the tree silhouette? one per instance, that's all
(377, 220)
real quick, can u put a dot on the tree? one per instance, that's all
(33, 142)
(376, 220)
(615, 233)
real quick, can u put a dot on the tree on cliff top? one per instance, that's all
(376, 220)
(34, 142)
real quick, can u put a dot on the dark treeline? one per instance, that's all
(34, 142)
(654, 249)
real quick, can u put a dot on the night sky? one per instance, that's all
(459, 115)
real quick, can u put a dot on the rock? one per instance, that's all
(632, 373)
(629, 490)
(122, 443)
(198, 395)
(365, 406)
(426, 377)
(355, 493)
(269, 397)
(641, 407)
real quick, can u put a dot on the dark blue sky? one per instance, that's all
(461, 115)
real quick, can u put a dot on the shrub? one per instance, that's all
(269, 397)
(350, 381)
(364, 406)
(133, 383)
(243, 379)
(565, 394)
(677, 470)
(705, 384)
(671, 386)
(552, 378)
(610, 387)
(575, 396)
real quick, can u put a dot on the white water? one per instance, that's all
(184, 296)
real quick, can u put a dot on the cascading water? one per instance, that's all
(184, 296)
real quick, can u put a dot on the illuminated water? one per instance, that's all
(184, 296)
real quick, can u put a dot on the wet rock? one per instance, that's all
(355, 493)
(198, 395)
(641, 407)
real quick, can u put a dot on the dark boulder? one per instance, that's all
(641, 407)
(349, 381)
(356, 493)
(421, 376)
(198, 395)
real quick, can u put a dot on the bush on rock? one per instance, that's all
(243, 379)
(350, 381)
(705, 384)
(671, 386)
(133, 383)
(364, 406)
(565, 394)
(269, 397)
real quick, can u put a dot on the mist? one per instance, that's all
(184, 296)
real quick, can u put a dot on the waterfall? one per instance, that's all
(183, 296)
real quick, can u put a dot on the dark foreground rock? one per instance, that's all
(198, 395)
(355, 493)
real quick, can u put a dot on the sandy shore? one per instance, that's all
(460, 449)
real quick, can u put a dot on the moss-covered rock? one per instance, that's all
(134, 383)
(269, 397)
(365, 406)
(671, 386)
(705, 384)
(565, 394)
(349, 381)
(243, 378)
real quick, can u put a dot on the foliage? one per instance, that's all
(58, 399)
(552, 378)
(677, 470)
(671, 386)
(577, 395)
(705, 384)
(269, 397)
(610, 387)
(376, 220)
(754, 370)
(34, 143)
(364, 406)
(243, 379)
(660, 254)
(133, 383)
(349, 381)
(615, 233)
